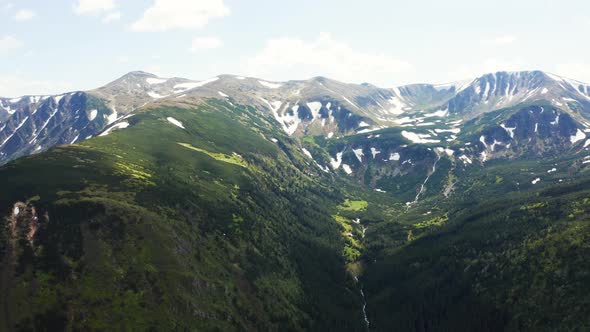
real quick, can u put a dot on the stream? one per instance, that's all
(365, 318)
(365, 309)
(424, 183)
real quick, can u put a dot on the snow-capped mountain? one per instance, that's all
(319, 106)
(500, 90)
(138, 88)
(35, 124)
(315, 107)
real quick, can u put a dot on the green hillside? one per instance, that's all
(208, 217)
(516, 263)
(155, 227)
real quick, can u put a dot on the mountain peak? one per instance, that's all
(139, 73)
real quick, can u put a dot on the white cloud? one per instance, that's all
(500, 40)
(205, 43)
(15, 86)
(24, 15)
(292, 58)
(94, 7)
(8, 43)
(104, 8)
(112, 17)
(576, 70)
(180, 14)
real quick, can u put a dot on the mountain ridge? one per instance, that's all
(317, 106)
(243, 204)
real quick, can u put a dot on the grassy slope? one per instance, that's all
(171, 229)
(147, 234)
(496, 256)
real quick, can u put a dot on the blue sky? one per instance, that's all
(58, 45)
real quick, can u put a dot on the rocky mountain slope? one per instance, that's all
(318, 106)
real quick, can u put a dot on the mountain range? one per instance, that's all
(238, 203)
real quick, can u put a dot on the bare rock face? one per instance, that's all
(24, 224)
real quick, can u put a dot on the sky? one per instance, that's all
(63, 45)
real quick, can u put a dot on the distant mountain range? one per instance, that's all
(238, 203)
(318, 106)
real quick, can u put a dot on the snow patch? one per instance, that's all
(112, 117)
(175, 122)
(404, 120)
(15, 130)
(375, 152)
(452, 130)
(484, 156)
(154, 80)
(510, 131)
(182, 87)
(347, 169)
(120, 125)
(359, 154)
(440, 114)
(315, 107)
(93, 114)
(449, 152)
(57, 99)
(156, 95)
(307, 153)
(43, 126)
(75, 139)
(398, 106)
(289, 120)
(482, 139)
(578, 137)
(465, 159)
(270, 85)
(418, 138)
(338, 161)
(350, 102)
(368, 130)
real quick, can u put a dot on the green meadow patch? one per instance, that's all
(234, 159)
